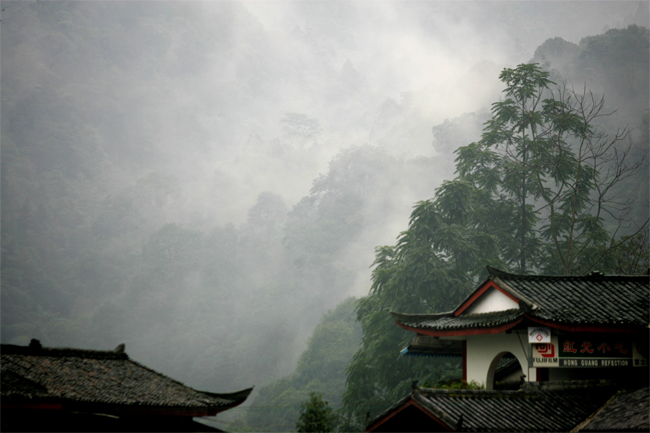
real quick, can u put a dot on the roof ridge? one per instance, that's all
(60, 352)
(592, 275)
(406, 317)
(490, 313)
(569, 384)
(481, 393)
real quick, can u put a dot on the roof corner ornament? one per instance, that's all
(415, 386)
(120, 348)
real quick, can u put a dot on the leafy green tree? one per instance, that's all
(543, 155)
(530, 194)
(414, 276)
(315, 415)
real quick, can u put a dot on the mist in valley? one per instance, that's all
(203, 181)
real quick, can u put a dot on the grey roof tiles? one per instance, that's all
(628, 410)
(556, 406)
(98, 377)
(594, 300)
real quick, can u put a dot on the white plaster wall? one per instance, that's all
(483, 349)
(491, 300)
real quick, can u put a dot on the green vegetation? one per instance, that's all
(315, 415)
(530, 196)
(153, 194)
(544, 163)
(320, 369)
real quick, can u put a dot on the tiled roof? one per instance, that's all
(627, 411)
(448, 322)
(591, 299)
(73, 376)
(554, 406)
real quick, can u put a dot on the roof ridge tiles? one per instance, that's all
(405, 317)
(61, 352)
(438, 392)
(595, 275)
(569, 384)
(492, 313)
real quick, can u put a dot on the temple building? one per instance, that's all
(579, 345)
(62, 389)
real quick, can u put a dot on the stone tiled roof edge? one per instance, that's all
(526, 304)
(473, 393)
(469, 321)
(527, 388)
(385, 412)
(209, 400)
(61, 352)
(417, 318)
(570, 384)
(234, 396)
(420, 397)
(593, 275)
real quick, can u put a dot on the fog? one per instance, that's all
(138, 137)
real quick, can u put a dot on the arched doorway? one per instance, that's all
(504, 373)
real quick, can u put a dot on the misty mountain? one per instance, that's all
(204, 180)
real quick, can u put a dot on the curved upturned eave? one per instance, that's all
(461, 332)
(570, 327)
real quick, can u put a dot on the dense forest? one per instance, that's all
(226, 186)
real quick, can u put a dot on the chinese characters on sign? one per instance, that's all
(587, 350)
(594, 350)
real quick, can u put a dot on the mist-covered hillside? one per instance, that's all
(204, 180)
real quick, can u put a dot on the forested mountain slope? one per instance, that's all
(203, 181)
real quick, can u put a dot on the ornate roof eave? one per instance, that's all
(51, 402)
(412, 325)
(411, 318)
(584, 327)
(464, 331)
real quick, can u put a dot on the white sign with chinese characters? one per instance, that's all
(539, 334)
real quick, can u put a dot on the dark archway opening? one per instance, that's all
(508, 373)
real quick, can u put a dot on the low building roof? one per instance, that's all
(448, 324)
(617, 300)
(628, 410)
(593, 302)
(110, 380)
(549, 406)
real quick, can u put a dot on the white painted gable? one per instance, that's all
(491, 300)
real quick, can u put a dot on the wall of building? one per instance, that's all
(485, 351)
(491, 300)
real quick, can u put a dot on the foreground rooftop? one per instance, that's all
(544, 407)
(66, 380)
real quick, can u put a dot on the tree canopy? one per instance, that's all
(530, 196)
(315, 415)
